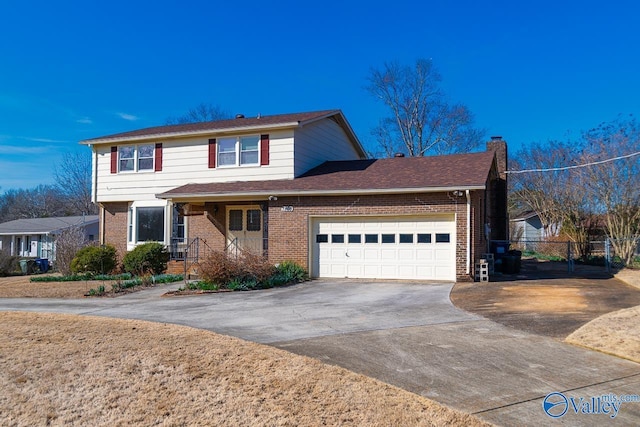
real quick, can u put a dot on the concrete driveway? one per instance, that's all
(406, 334)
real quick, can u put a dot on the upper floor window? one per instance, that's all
(134, 158)
(239, 151)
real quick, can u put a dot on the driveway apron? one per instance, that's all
(405, 334)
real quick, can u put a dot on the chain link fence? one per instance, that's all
(621, 253)
(575, 257)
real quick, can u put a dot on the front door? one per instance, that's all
(244, 229)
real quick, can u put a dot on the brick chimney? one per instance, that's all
(499, 146)
(497, 214)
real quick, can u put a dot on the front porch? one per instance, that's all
(201, 228)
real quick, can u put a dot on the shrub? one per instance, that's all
(292, 271)
(219, 268)
(8, 263)
(94, 260)
(235, 273)
(247, 272)
(148, 258)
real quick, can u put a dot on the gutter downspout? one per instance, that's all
(94, 173)
(468, 269)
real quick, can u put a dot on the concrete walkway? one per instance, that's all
(406, 334)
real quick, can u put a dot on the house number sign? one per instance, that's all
(287, 209)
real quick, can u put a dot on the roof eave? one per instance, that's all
(264, 194)
(174, 135)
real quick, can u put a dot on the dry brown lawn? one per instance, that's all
(22, 287)
(615, 333)
(74, 370)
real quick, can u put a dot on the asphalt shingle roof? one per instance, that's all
(403, 174)
(218, 125)
(44, 225)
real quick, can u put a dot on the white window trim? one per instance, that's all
(136, 159)
(238, 152)
(132, 218)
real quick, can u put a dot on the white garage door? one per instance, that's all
(385, 248)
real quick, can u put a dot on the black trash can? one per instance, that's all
(509, 264)
(517, 255)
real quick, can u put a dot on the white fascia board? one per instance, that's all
(25, 233)
(265, 194)
(173, 135)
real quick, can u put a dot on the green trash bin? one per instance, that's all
(23, 266)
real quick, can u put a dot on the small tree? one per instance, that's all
(68, 243)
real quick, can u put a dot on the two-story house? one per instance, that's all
(299, 187)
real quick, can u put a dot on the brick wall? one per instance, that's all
(115, 226)
(289, 231)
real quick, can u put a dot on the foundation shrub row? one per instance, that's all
(246, 272)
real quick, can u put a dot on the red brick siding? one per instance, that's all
(289, 231)
(115, 226)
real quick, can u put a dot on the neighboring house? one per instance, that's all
(299, 187)
(35, 237)
(527, 227)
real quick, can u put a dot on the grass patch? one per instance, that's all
(123, 285)
(81, 277)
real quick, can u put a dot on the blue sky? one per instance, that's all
(529, 71)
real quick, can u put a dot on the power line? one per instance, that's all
(563, 168)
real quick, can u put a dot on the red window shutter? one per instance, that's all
(212, 153)
(264, 150)
(114, 159)
(158, 165)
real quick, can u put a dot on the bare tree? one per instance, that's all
(38, 202)
(68, 243)
(200, 113)
(586, 184)
(614, 185)
(73, 179)
(422, 120)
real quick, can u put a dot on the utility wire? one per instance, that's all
(564, 168)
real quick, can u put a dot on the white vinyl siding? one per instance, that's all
(321, 141)
(185, 161)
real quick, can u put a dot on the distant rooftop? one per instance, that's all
(50, 225)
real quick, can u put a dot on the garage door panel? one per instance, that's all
(409, 251)
(443, 254)
(371, 254)
(406, 254)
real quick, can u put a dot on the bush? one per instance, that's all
(292, 271)
(235, 273)
(148, 258)
(247, 272)
(8, 264)
(219, 268)
(94, 260)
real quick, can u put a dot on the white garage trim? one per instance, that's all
(384, 247)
